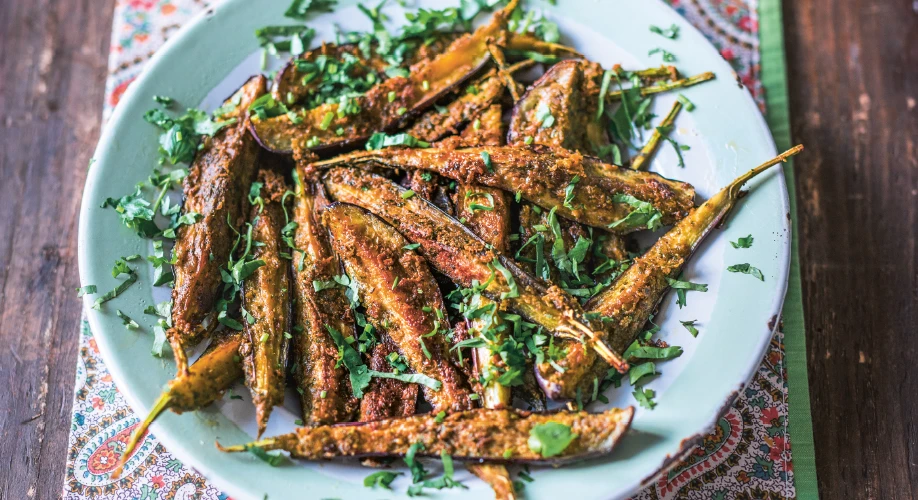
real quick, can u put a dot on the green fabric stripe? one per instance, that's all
(800, 425)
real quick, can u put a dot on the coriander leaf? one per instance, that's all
(672, 32)
(486, 157)
(86, 290)
(678, 148)
(667, 56)
(644, 214)
(417, 470)
(159, 338)
(380, 140)
(690, 326)
(744, 242)
(409, 378)
(299, 9)
(225, 320)
(603, 90)
(550, 439)
(543, 116)
(272, 459)
(382, 478)
(569, 192)
(358, 372)
(511, 283)
(682, 286)
(747, 269)
(118, 290)
(410, 246)
(126, 320)
(638, 351)
(165, 101)
(645, 397)
(135, 212)
(641, 370)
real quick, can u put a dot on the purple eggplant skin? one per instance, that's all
(543, 176)
(473, 435)
(625, 305)
(428, 82)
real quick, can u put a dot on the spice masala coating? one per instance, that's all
(481, 434)
(216, 188)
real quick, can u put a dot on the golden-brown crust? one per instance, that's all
(386, 398)
(396, 287)
(214, 372)
(486, 129)
(266, 297)
(478, 97)
(216, 188)
(472, 208)
(481, 434)
(427, 81)
(459, 254)
(542, 176)
(569, 91)
(325, 391)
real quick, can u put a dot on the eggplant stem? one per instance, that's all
(653, 144)
(178, 352)
(665, 87)
(267, 444)
(503, 71)
(657, 73)
(735, 186)
(577, 331)
(161, 405)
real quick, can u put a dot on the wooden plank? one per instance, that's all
(853, 92)
(54, 61)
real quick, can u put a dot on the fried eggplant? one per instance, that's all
(266, 295)
(569, 93)
(215, 188)
(317, 128)
(218, 368)
(401, 298)
(626, 305)
(458, 253)
(325, 390)
(481, 434)
(542, 176)
(297, 81)
(386, 398)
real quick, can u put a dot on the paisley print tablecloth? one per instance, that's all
(747, 456)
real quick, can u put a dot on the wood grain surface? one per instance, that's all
(53, 57)
(853, 74)
(853, 70)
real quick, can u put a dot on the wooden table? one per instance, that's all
(853, 68)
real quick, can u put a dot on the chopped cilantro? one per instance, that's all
(86, 290)
(747, 269)
(381, 478)
(644, 214)
(543, 116)
(380, 140)
(672, 32)
(690, 326)
(744, 242)
(126, 320)
(550, 439)
(667, 56)
(645, 397)
(272, 459)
